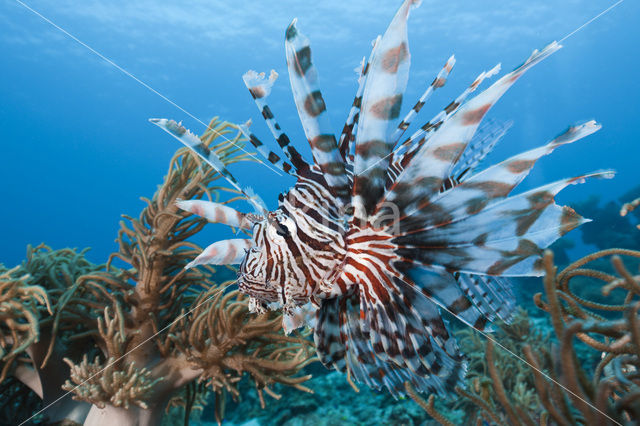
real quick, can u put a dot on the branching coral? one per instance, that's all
(119, 385)
(503, 381)
(500, 387)
(50, 275)
(150, 326)
(612, 391)
(225, 341)
(18, 316)
(568, 388)
(629, 207)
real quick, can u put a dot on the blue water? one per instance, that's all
(77, 150)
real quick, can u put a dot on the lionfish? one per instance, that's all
(380, 236)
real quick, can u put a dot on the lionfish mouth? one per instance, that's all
(261, 290)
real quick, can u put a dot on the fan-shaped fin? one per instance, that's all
(329, 346)
(503, 238)
(345, 339)
(422, 178)
(442, 286)
(404, 153)
(482, 143)
(420, 136)
(497, 181)
(493, 296)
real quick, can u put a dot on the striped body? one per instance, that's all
(297, 248)
(379, 235)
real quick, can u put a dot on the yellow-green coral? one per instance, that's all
(516, 384)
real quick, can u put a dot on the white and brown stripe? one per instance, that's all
(269, 155)
(404, 153)
(225, 252)
(260, 87)
(301, 243)
(447, 144)
(381, 103)
(194, 143)
(313, 114)
(438, 82)
(218, 213)
(348, 136)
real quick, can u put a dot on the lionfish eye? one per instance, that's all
(282, 230)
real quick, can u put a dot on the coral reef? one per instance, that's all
(140, 332)
(499, 386)
(333, 403)
(70, 326)
(54, 324)
(187, 405)
(586, 373)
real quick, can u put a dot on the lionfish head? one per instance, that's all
(265, 269)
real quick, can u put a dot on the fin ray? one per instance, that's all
(313, 113)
